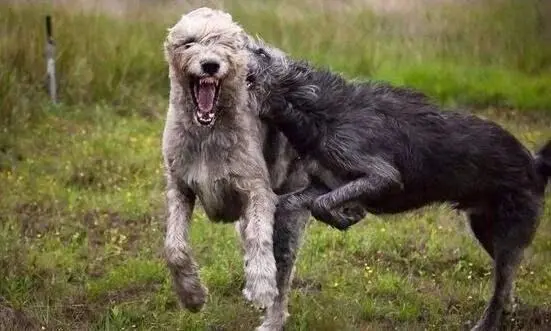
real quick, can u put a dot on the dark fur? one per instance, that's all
(392, 150)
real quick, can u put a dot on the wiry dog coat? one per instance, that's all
(392, 150)
(217, 150)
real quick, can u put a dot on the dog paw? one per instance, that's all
(353, 213)
(340, 219)
(191, 293)
(261, 293)
(486, 325)
(273, 322)
(269, 328)
(482, 327)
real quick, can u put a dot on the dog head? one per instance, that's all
(265, 66)
(265, 63)
(275, 80)
(206, 57)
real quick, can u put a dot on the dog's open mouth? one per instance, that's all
(250, 80)
(205, 96)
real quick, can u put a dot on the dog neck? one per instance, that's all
(301, 128)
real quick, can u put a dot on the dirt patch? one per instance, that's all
(79, 312)
(102, 225)
(124, 235)
(530, 318)
(35, 218)
(15, 319)
(83, 311)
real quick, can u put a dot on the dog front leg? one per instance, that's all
(257, 231)
(371, 186)
(302, 198)
(342, 218)
(183, 268)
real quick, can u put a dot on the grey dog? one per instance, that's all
(217, 150)
(392, 150)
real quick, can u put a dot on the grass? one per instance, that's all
(458, 56)
(81, 208)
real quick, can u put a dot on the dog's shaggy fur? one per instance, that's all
(392, 150)
(216, 149)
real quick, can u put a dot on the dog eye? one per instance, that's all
(262, 52)
(186, 43)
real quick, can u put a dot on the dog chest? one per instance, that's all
(211, 181)
(214, 164)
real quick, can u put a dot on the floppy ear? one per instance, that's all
(168, 38)
(166, 46)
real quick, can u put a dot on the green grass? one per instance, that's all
(82, 229)
(81, 186)
(495, 53)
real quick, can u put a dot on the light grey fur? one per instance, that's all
(232, 166)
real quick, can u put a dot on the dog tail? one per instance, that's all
(543, 161)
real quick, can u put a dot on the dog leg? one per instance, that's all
(514, 226)
(257, 233)
(191, 293)
(482, 224)
(288, 231)
(370, 187)
(302, 198)
(351, 212)
(505, 266)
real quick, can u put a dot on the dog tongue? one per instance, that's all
(205, 96)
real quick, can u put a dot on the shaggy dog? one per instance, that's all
(217, 150)
(392, 150)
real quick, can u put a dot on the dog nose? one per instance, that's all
(210, 67)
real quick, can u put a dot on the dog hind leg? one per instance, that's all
(512, 231)
(289, 227)
(482, 223)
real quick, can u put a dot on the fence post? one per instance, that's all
(50, 60)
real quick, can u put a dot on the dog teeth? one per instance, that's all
(208, 80)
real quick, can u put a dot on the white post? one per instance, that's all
(50, 60)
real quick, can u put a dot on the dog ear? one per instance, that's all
(166, 47)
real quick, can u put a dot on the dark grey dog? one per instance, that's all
(392, 150)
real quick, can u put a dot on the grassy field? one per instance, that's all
(81, 203)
